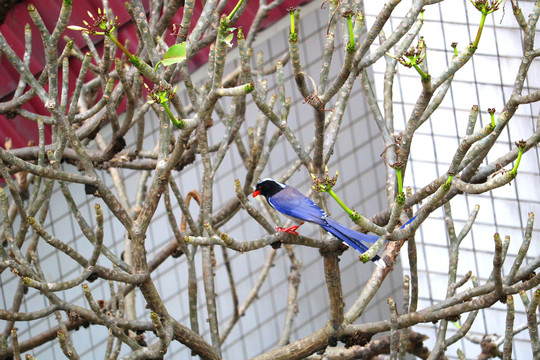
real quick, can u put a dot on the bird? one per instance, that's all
(295, 205)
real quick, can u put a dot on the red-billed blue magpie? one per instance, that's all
(295, 205)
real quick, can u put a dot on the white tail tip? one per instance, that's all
(381, 263)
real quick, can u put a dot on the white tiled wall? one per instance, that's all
(485, 81)
(360, 183)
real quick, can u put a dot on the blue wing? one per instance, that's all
(293, 203)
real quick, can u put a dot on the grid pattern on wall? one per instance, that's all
(485, 81)
(361, 182)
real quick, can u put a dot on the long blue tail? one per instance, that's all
(352, 238)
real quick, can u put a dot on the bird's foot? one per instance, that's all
(290, 230)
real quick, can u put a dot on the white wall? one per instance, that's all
(485, 81)
(361, 184)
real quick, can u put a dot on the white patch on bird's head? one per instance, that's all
(274, 181)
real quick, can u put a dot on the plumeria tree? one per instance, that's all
(88, 147)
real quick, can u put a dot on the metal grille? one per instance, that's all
(361, 183)
(485, 81)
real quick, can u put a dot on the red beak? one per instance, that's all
(256, 193)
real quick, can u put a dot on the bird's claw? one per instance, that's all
(290, 230)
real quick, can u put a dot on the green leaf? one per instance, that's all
(175, 54)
